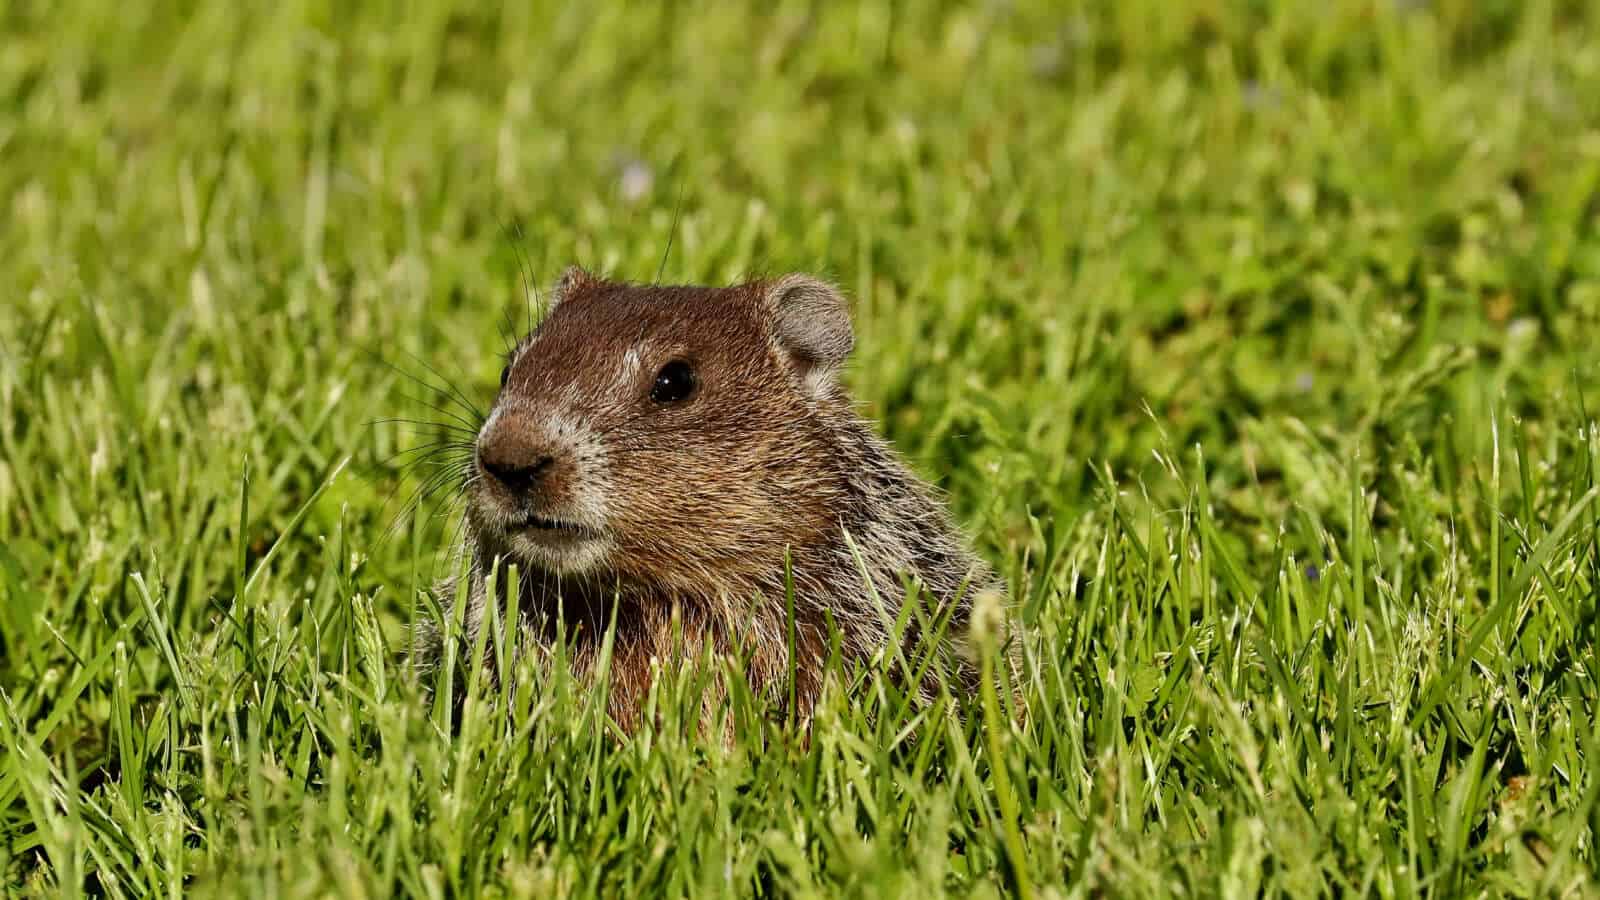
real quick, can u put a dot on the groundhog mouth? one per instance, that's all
(528, 522)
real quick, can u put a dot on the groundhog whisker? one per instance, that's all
(425, 426)
(406, 513)
(431, 483)
(530, 284)
(420, 425)
(446, 444)
(442, 444)
(449, 441)
(470, 420)
(453, 390)
(430, 462)
(459, 460)
(434, 468)
(449, 472)
(445, 472)
(508, 332)
(419, 497)
(460, 421)
(446, 387)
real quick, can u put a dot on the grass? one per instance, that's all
(1255, 343)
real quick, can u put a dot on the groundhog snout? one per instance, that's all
(516, 457)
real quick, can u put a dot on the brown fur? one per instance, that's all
(706, 500)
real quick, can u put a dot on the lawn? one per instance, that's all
(1256, 345)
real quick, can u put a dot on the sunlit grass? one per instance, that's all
(1255, 344)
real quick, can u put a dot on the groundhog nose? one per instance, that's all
(517, 466)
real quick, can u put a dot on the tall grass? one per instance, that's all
(1255, 343)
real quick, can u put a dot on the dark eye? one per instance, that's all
(674, 382)
(505, 375)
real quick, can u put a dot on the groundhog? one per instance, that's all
(685, 460)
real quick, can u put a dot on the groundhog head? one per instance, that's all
(665, 435)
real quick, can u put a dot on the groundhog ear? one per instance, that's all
(572, 280)
(812, 321)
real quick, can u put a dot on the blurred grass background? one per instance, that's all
(1256, 343)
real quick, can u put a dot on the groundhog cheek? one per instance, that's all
(673, 495)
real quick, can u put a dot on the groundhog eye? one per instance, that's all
(674, 382)
(505, 375)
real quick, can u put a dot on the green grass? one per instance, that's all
(1256, 344)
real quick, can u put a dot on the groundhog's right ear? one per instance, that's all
(573, 279)
(812, 321)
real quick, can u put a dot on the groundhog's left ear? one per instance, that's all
(812, 321)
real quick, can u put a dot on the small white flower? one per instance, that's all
(636, 181)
